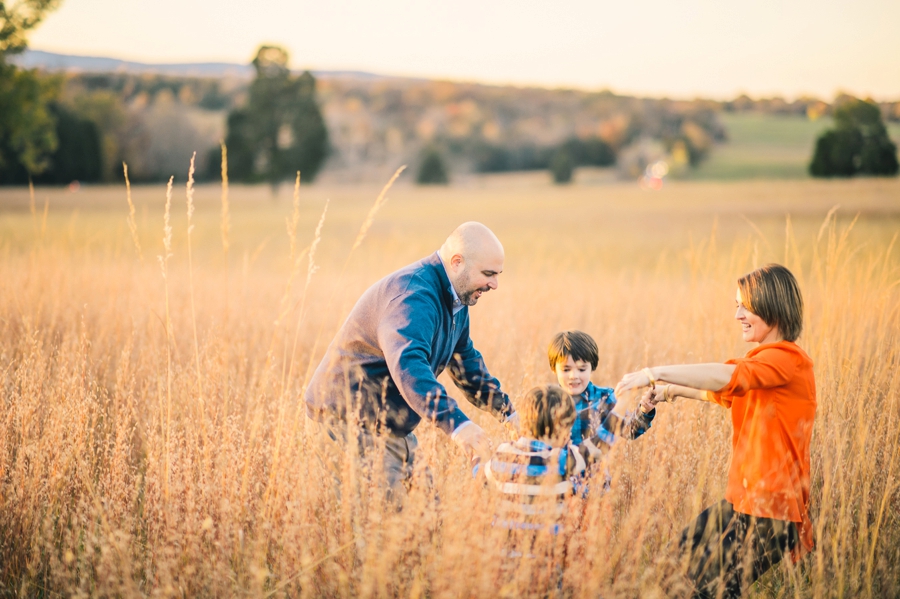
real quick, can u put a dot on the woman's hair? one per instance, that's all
(574, 344)
(547, 412)
(772, 293)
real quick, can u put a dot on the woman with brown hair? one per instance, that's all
(772, 396)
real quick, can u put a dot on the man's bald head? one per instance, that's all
(473, 257)
(471, 239)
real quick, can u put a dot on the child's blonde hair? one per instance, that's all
(547, 412)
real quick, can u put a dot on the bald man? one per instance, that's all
(407, 328)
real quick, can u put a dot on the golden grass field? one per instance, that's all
(153, 442)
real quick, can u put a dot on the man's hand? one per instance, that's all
(474, 442)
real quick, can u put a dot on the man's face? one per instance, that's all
(476, 277)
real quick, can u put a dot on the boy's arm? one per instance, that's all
(677, 391)
(593, 450)
(631, 426)
(640, 423)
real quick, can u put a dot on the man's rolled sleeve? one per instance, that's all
(406, 345)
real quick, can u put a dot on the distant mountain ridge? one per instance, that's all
(50, 61)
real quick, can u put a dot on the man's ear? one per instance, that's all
(456, 261)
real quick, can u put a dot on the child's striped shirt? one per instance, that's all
(534, 478)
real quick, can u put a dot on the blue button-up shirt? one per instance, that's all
(596, 421)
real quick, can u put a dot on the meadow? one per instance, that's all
(153, 441)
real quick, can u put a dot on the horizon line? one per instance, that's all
(362, 73)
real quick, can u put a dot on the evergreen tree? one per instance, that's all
(561, 167)
(431, 169)
(281, 130)
(858, 144)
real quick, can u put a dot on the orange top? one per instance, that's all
(772, 396)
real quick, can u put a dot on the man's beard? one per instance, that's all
(468, 297)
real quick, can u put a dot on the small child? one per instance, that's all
(538, 472)
(573, 357)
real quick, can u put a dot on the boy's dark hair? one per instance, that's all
(574, 344)
(547, 412)
(772, 293)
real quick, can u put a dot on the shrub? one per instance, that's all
(859, 144)
(431, 169)
(561, 167)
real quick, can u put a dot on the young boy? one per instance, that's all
(573, 357)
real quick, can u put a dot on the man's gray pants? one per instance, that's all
(387, 458)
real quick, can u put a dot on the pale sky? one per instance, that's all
(679, 48)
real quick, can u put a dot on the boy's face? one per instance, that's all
(573, 376)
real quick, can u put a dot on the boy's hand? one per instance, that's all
(512, 425)
(656, 395)
(474, 442)
(649, 400)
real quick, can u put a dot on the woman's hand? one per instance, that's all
(634, 380)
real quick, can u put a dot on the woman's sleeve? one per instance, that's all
(719, 398)
(771, 367)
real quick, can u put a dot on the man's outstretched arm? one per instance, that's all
(470, 373)
(404, 334)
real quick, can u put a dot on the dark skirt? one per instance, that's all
(728, 551)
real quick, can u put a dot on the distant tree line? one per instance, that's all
(696, 132)
(809, 106)
(583, 152)
(58, 128)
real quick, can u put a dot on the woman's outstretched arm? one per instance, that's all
(712, 376)
(672, 392)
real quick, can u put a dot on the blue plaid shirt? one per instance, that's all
(596, 421)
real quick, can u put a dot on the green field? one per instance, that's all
(766, 146)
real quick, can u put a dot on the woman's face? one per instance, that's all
(753, 328)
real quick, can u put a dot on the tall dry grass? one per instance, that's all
(153, 442)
